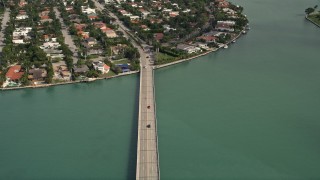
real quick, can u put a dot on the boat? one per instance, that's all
(244, 32)
(233, 41)
(225, 46)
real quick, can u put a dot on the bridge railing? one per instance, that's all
(156, 121)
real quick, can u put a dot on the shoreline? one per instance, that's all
(123, 74)
(197, 56)
(312, 21)
(69, 82)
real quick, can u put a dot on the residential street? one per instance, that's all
(67, 37)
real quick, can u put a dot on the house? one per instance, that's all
(22, 16)
(118, 49)
(188, 49)
(23, 31)
(186, 10)
(87, 10)
(111, 34)
(207, 39)
(174, 13)
(79, 27)
(224, 27)
(144, 27)
(99, 24)
(14, 73)
(134, 18)
(167, 28)
(124, 13)
(65, 75)
(124, 67)
(100, 66)
(201, 45)
(22, 3)
(92, 16)
(17, 40)
(84, 35)
(95, 51)
(45, 19)
(80, 69)
(91, 41)
(37, 74)
(144, 13)
(158, 36)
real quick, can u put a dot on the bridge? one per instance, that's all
(147, 145)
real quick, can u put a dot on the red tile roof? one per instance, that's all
(14, 72)
(106, 67)
(158, 36)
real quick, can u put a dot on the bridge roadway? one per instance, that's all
(147, 145)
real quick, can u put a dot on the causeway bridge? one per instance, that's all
(147, 145)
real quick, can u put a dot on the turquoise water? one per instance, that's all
(81, 131)
(247, 112)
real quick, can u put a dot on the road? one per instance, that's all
(147, 145)
(4, 22)
(67, 37)
(122, 27)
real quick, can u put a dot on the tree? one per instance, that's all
(309, 10)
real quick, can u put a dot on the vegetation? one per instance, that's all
(313, 14)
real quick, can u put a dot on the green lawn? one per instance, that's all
(121, 61)
(109, 74)
(314, 18)
(163, 58)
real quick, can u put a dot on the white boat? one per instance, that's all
(244, 32)
(234, 41)
(225, 46)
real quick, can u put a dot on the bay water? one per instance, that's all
(248, 112)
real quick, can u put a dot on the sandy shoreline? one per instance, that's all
(122, 74)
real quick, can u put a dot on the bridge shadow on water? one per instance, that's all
(132, 159)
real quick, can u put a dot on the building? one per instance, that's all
(80, 69)
(14, 73)
(22, 16)
(37, 74)
(188, 49)
(87, 10)
(158, 36)
(100, 66)
(111, 33)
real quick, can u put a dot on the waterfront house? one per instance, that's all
(188, 48)
(65, 75)
(100, 66)
(80, 69)
(124, 67)
(207, 39)
(37, 75)
(14, 73)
